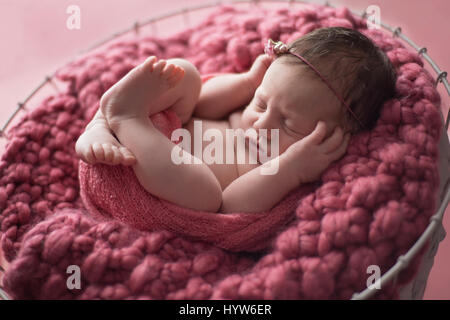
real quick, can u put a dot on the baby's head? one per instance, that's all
(293, 98)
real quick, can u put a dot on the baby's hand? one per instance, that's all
(310, 156)
(258, 69)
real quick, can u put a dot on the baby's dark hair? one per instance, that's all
(358, 69)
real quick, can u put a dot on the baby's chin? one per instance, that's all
(267, 154)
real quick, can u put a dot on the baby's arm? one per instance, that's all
(303, 162)
(255, 192)
(222, 94)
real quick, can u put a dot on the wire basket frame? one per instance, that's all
(435, 221)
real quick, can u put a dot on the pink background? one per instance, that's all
(36, 42)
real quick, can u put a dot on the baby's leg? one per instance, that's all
(152, 87)
(143, 94)
(97, 144)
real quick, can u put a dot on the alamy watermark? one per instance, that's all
(74, 19)
(373, 17)
(213, 153)
(374, 281)
(74, 280)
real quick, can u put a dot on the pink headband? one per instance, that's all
(274, 49)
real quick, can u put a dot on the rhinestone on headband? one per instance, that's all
(275, 49)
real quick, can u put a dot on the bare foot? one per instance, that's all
(98, 145)
(258, 69)
(131, 96)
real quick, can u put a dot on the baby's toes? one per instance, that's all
(117, 156)
(127, 157)
(159, 66)
(108, 152)
(98, 151)
(148, 63)
(167, 72)
(112, 154)
(87, 155)
(177, 74)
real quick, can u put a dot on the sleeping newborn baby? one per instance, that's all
(300, 103)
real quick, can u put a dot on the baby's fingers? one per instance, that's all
(317, 135)
(333, 141)
(340, 151)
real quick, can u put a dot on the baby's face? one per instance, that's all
(292, 100)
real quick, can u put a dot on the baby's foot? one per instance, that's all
(258, 69)
(98, 145)
(131, 97)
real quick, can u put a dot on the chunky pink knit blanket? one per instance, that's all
(317, 243)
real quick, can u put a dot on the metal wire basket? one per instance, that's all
(433, 232)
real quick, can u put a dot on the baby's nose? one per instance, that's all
(264, 121)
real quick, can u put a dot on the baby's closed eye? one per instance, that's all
(288, 126)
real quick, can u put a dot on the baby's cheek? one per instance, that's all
(287, 142)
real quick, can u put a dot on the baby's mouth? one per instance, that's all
(250, 143)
